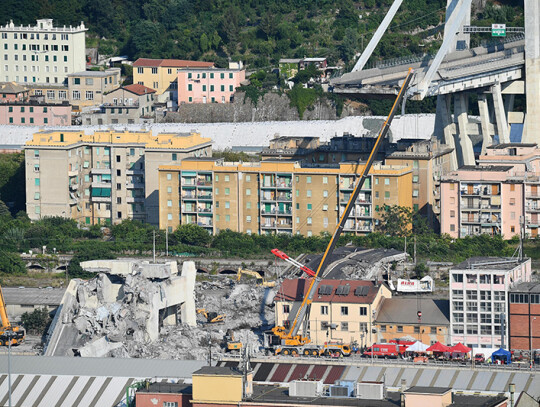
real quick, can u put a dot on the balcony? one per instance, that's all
(135, 199)
(133, 171)
(204, 210)
(204, 197)
(205, 224)
(189, 209)
(189, 196)
(134, 185)
(268, 198)
(201, 183)
(284, 198)
(269, 225)
(96, 171)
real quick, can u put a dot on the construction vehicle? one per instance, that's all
(283, 256)
(288, 340)
(211, 317)
(9, 335)
(231, 345)
(260, 279)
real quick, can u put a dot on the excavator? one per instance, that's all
(260, 279)
(8, 333)
(287, 340)
(211, 317)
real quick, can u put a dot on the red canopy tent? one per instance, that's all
(438, 347)
(460, 348)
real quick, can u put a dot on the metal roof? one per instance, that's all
(41, 381)
(33, 296)
(404, 311)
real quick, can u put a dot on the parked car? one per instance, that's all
(479, 358)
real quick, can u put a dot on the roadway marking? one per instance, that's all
(13, 387)
(454, 378)
(417, 377)
(471, 381)
(398, 377)
(435, 377)
(28, 390)
(46, 388)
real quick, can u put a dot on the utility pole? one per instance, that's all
(415, 250)
(154, 244)
(167, 242)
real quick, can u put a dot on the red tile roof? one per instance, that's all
(139, 89)
(172, 63)
(294, 290)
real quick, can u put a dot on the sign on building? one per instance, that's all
(498, 30)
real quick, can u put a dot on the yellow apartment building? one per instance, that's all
(277, 196)
(398, 318)
(104, 177)
(342, 310)
(162, 74)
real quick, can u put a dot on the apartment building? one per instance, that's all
(104, 177)
(208, 85)
(492, 197)
(41, 53)
(162, 74)
(52, 93)
(30, 113)
(341, 310)
(126, 105)
(479, 290)
(277, 196)
(88, 88)
(524, 317)
(398, 318)
(428, 159)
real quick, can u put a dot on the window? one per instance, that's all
(170, 404)
(458, 317)
(472, 318)
(248, 205)
(309, 220)
(363, 311)
(227, 178)
(190, 87)
(227, 191)
(154, 70)
(344, 310)
(344, 326)
(227, 218)
(400, 328)
(386, 194)
(457, 294)
(89, 95)
(416, 329)
(169, 203)
(324, 309)
(309, 206)
(472, 295)
(248, 219)
(308, 193)
(308, 180)
(458, 278)
(169, 177)
(472, 306)
(471, 278)
(325, 194)
(433, 330)
(485, 279)
(415, 178)
(485, 295)
(452, 214)
(415, 193)
(227, 205)
(387, 181)
(37, 182)
(458, 329)
(472, 330)
(76, 95)
(286, 309)
(325, 207)
(457, 305)
(363, 327)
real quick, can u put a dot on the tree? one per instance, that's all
(36, 322)
(11, 263)
(88, 250)
(147, 38)
(193, 235)
(203, 43)
(396, 220)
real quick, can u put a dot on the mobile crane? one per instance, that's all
(8, 333)
(288, 341)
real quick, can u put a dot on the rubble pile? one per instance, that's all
(132, 311)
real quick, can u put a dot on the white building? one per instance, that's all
(41, 53)
(479, 296)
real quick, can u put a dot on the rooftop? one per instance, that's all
(138, 89)
(526, 288)
(506, 145)
(96, 74)
(217, 370)
(339, 291)
(53, 138)
(428, 390)
(490, 263)
(11, 88)
(404, 310)
(169, 388)
(172, 63)
(491, 168)
(33, 296)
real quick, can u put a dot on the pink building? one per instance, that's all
(33, 114)
(491, 198)
(11, 92)
(479, 296)
(209, 85)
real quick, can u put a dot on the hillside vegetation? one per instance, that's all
(258, 32)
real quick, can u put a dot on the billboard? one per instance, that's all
(425, 285)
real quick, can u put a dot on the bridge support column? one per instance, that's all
(465, 152)
(444, 127)
(531, 130)
(487, 137)
(500, 114)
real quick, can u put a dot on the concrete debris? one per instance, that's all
(130, 304)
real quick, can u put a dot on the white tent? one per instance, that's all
(417, 347)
